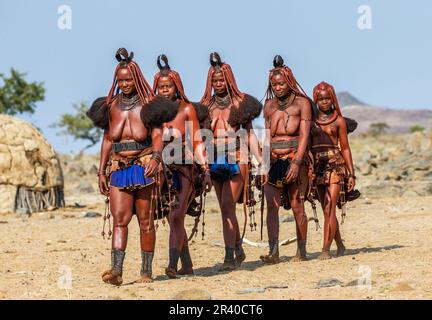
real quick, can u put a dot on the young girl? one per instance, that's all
(334, 167)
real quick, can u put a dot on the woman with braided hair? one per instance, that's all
(132, 118)
(334, 168)
(167, 83)
(231, 113)
(287, 115)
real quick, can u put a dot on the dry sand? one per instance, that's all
(389, 240)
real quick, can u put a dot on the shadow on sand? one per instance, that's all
(253, 265)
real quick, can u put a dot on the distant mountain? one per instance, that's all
(399, 120)
(346, 99)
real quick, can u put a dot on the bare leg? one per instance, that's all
(177, 228)
(147, 231)
(330, 219)
(299, 213)
(273, 199)
(121, 209)
(339, 243)
(324, 199)
(228, 193)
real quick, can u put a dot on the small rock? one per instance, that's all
(91, 214)
(85, 187)
(366, 156)
(217, 244)
(251, 290)
(365, 169)
(192, 294)
(287, 219)
(421, 165)
(328, 283)
(428, 175)
(77, 205)
(277, 286)
(409, 194)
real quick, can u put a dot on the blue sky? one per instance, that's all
(388, 65)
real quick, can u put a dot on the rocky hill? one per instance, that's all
(398, 120)
(347, 99)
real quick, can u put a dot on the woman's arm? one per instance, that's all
(104, 158)
(304, 131)
(346, 152)
(157, 146)
(197, 143)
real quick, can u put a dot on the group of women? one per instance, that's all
(306, 156)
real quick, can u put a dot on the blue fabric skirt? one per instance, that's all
(130, 178)
(176, 180)
(221, 170)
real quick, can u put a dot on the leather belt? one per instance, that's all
(131, 146)
(327, 154)
(285, 144)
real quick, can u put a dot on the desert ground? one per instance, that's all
(61, 254)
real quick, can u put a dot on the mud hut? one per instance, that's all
(31, 178)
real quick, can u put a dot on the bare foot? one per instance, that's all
(340, 250)
(145, 278)
(325, 255)
(112, 277)
(185, 271)
(171, 273)
(270, 258)
(228, 266)
(299, 258)
(239, 259)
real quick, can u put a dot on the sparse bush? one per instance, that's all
(417, 128)
(378, 128)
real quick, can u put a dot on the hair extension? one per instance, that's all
(98, 113)
(166, 71)
(217, 66)
(143, 88)
(287, 74)
(325, 86)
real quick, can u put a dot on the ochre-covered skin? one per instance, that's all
(168, 84)
(126, 126)
(222, 97)
(329, 134)
(287, 114)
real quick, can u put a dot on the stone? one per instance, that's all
(418, 142)
(91, 214)
(85, 187)
(251, 290)
(365, 169)
(327, 283)
(287, 219)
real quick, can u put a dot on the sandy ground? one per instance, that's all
(61, 255)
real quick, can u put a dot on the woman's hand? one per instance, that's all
(151, 168)
(293, 172)
(103, 185)
(264, 179)
(351, 183)
(207, 182)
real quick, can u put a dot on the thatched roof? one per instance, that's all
(28, 164)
